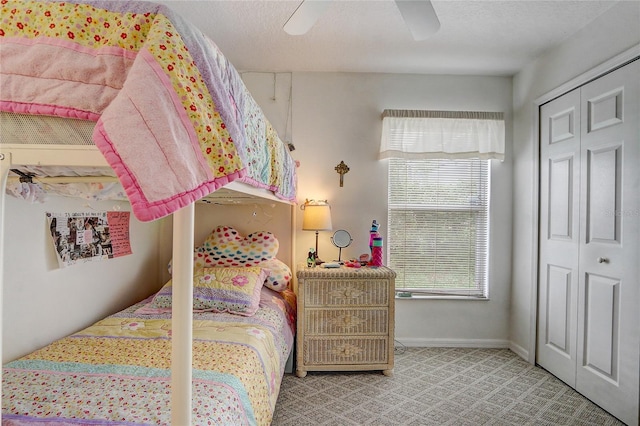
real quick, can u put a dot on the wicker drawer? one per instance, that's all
(341, 350)
(341, 292)
(346, 321)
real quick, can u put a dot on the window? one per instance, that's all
(438, 236)
(438, 226)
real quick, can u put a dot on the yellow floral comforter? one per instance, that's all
(117, 371)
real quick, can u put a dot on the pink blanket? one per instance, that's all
(168, 120)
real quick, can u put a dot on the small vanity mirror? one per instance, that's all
(341, 239)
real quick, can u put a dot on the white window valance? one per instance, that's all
(414, 134)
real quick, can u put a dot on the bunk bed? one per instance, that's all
(171, 119)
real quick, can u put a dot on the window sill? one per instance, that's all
(440, 297)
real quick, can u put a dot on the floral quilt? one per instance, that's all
(117, 371)
(173, 118)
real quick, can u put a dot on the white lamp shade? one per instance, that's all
(316, 217)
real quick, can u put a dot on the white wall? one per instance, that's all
(42, 302)
(260, 216)
(273, 217)
(612, 33)
(337, 117)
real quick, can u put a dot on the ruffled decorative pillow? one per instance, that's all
(226, 247)
(233, 290)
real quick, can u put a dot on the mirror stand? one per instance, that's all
(341, 239)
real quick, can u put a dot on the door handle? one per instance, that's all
(603, 260)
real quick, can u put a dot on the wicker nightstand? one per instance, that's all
(345, 319)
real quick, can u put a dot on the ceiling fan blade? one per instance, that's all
(420, 17)
(303, 18)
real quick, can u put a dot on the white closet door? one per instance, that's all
(559, 235)
(609, 298)
(589, 262)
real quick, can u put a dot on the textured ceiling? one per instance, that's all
(481, 37)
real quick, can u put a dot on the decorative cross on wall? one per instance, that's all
(342, 169)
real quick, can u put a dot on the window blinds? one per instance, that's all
(438, 226)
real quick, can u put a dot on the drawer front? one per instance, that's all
(345, 350)
(340, 292)
(346, 321)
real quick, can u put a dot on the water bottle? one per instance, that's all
(376, 252)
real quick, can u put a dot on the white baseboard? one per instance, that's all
(466, 343)
(520, 351)
(454, 343)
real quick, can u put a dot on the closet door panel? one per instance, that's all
(604, 198)
(560, 197)
(605, 110)
(559, 238)
(608, 367)
(558, 302)
(601, 325)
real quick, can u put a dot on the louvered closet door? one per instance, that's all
(590, 295)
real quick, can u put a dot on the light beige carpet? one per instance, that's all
(438, 386)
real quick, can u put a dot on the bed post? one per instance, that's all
(181, 315)
(5, 165)
(294, 227)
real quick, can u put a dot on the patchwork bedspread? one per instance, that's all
(174, 119)
(118, 370)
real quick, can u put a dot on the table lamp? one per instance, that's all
(316, 217)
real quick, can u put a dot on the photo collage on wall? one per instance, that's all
(84, 237)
